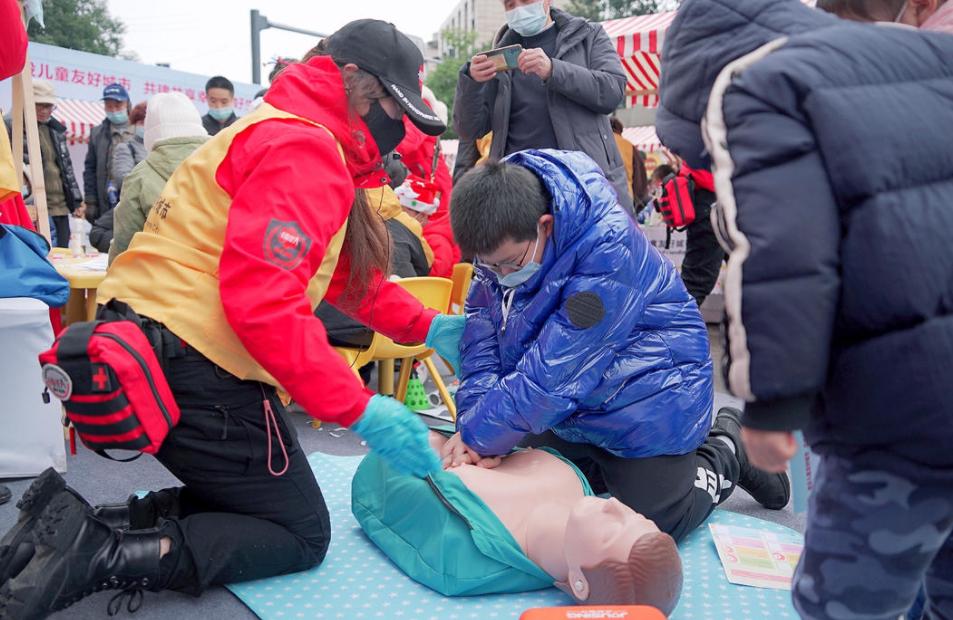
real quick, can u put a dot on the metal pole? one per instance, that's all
(258, 23)
(256, 46)
(296, 29)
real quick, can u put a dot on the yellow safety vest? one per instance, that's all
(170, 271)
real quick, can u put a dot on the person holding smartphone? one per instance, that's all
(567, 80)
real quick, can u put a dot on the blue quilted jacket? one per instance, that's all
(833, 162)
(604, 346)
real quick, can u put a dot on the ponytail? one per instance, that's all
(367, 246)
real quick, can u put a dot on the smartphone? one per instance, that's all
(506, 58)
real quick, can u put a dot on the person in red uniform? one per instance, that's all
(13, 45)
(251, 232)
(417, 153)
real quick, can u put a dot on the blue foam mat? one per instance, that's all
(358, 582)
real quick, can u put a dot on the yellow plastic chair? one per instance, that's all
(433, 293)
(462, 277)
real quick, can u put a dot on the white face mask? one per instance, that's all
(528, 20)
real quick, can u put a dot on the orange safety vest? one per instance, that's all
(170, 271)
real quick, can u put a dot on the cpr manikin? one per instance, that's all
(597, 550)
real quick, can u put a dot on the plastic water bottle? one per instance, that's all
(76, 244)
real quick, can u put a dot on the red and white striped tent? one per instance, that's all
(79, 117)
(644, 138)
(638, 40)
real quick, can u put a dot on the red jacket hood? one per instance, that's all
(315, 90)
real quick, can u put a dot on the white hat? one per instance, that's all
(43, 92)
(171, 115)
(439, 107)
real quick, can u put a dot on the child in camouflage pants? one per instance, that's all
(881, 527)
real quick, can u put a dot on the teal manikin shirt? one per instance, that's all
(441, 534)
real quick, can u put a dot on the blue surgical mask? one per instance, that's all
(528, 20)
(117, 118)
(140, 131)
(517, 278)
(220, 114)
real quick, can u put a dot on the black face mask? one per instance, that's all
(387, 132)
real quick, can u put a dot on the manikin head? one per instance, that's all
(618, 557)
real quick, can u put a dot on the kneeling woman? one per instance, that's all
(249, 234)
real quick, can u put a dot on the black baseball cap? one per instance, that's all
(386, 53)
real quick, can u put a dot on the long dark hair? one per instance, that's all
(367, 246)
(366, 242)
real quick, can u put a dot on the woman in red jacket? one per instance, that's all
(253, 230)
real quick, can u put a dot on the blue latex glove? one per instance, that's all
(395, 433)
(444, 337)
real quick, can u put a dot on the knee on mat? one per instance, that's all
(317, 540)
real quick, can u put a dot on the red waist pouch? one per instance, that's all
(112, 386)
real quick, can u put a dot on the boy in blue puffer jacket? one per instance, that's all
(581, 336)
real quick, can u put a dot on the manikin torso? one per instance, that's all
(540, 500)
(532, 493)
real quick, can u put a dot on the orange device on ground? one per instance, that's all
(582, 612)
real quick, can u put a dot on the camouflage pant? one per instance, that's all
(877, 530)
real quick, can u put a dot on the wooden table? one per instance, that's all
(83, 283)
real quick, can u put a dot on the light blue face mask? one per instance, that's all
(140, 131)
(528, 20)
(117, 118)
(220, 114)
(517, 278)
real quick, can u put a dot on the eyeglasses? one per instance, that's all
(499, 267)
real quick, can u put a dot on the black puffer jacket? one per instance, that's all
(834, 172)
(74, 197)
(587, 84)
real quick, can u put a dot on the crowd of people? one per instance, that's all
(248, 247)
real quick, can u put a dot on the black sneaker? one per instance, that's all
(773, 491)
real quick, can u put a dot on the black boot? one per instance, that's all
(115, 516)
(772, 491)
(16, 546)
(77, 555)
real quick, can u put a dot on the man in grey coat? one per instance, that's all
(568, 82)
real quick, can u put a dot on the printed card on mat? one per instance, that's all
(755, 558)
